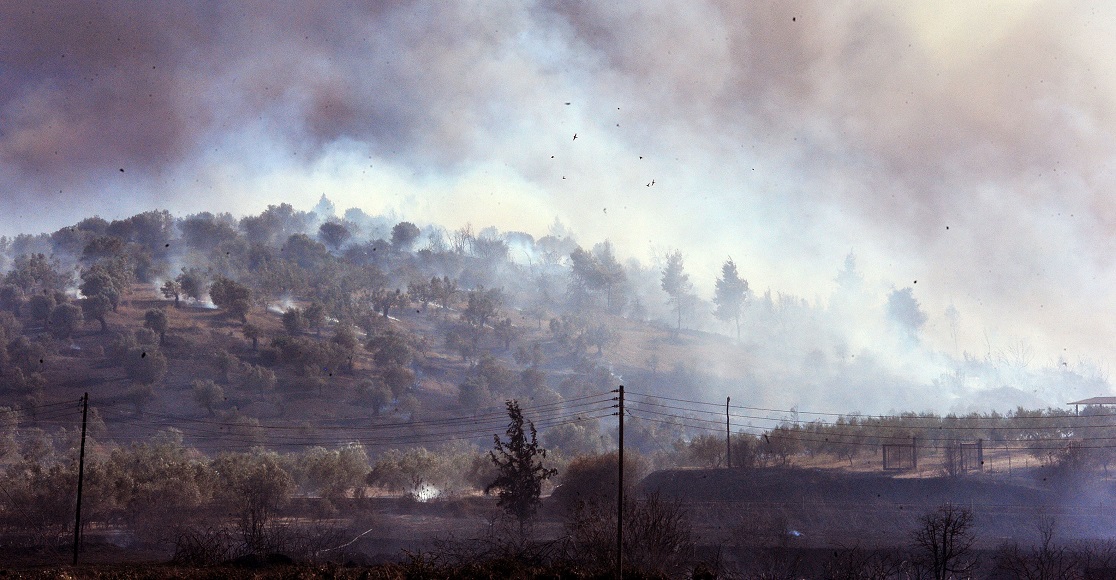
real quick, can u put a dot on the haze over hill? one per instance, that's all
(961, 153)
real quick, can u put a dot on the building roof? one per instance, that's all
(1095, 401)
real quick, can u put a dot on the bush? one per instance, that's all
(593, 479)
(658, 537)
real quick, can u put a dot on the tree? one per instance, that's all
(419, 291)
(601, 336)
(404, 234)
(334, 234)
(945, 540)
(96, 307)
(172, 289)
(443, 290)
(98, 282)
(1046, 561)
(505, 332)
(314, 316)
(344, 340)
(906, 312)
(40, 306)
(11, 298)
(676, 283)
(585, 276)
(483, 304)
(257, 485)
(208, 394)
(252, 333)
(34, 273)
(205, 231)
(398, 378)
(294, 322)
(232, 296)
(145, 367)
(192, 283)
(257, 379)
(64, 320)
(730, 295)
(519, 464)
(384, 300)
(611, 274)
(376, 393)
(156, 320)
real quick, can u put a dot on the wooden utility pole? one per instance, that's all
(620, 495)
(728, 435)
(81, 476)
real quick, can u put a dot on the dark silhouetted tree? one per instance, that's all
(585, 277)
(944, 540)
(519, 462)
(334, 234)
(404, 234)
(234, 297)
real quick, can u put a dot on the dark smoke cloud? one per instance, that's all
(784, 133)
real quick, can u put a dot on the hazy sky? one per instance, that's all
(967, 146)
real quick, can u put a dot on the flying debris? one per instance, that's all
(575, 137)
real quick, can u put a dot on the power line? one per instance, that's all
(912, 416)
(460, 419)
(721, 414)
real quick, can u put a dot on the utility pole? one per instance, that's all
(620, 495)
(728, 436)
(81, 476)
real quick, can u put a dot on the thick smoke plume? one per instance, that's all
(965, 148)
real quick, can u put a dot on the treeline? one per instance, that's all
(1053, 437)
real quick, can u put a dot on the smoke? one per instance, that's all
(966, 148)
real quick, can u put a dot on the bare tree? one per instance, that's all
(1046, 561)
(944, 541)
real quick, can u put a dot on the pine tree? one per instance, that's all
(730, 295)
(676, 283)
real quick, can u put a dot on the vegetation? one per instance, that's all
(319, 378)
(521, 472)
